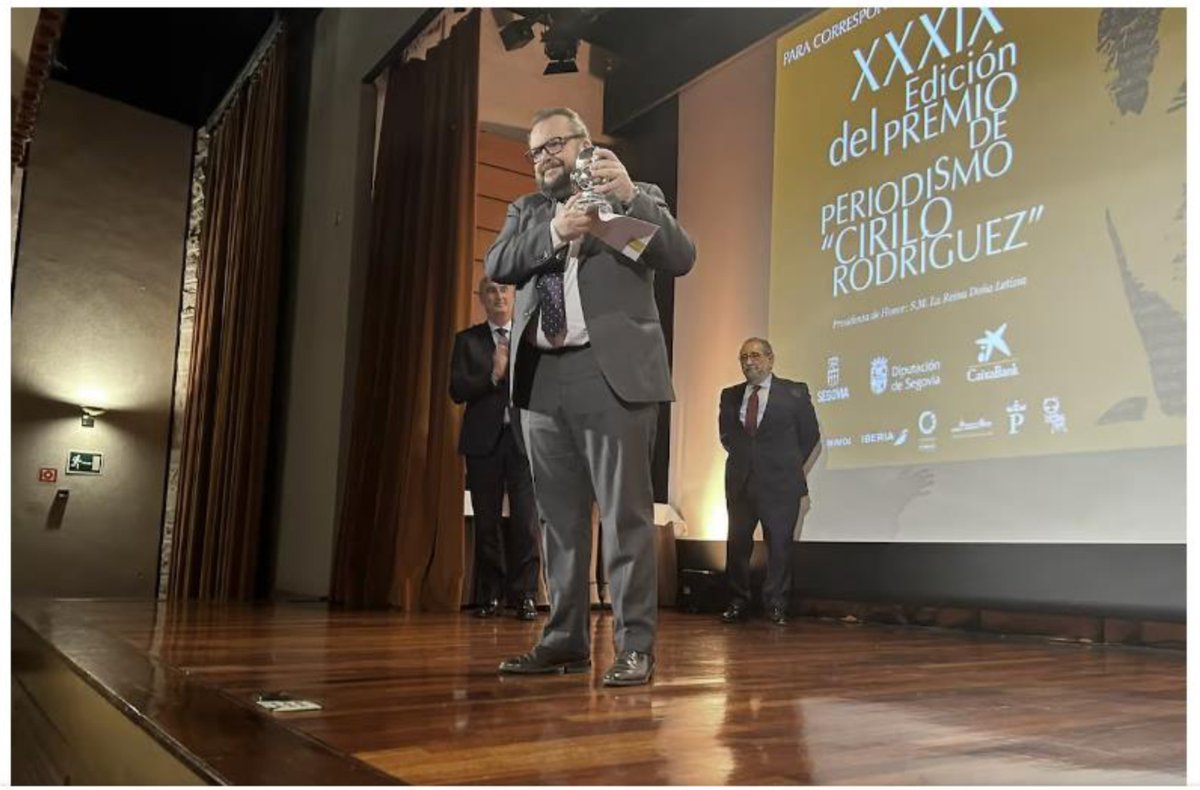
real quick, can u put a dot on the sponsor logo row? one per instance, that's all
(927, 428)
(993, 360)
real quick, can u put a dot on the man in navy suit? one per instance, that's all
(769, 428)
(491, 442)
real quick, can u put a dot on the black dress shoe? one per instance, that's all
(630, 668)
(489, 609)
(734, 613)
(777, 615)
(527, 610)
(540, 661)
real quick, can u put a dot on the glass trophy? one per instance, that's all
(583, 179)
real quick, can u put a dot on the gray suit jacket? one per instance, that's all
(617, 294)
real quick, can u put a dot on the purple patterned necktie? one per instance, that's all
(553, 306)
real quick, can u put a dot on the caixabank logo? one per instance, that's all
(994, 359)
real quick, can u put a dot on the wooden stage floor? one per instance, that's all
(417, 699)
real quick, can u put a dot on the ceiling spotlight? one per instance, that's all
(561, 31)
(560, 67)
(517, 34)
(561, 54)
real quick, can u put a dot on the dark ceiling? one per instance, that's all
(659, 50)
(621, 31)
(631, 31)
(180, 62)
(173, 62)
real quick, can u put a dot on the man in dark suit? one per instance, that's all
(496, 461)
(589, 370)
(769, 428)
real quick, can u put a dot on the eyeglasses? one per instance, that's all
(751, 355)
(552, 146)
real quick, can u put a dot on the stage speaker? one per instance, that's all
(701, 590)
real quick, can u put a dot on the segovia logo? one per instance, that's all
(833, 371)
(879, 375)
(833, 375)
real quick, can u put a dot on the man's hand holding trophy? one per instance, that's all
(604, 192)
(603, 181)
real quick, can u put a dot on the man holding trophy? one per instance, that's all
(588, 368)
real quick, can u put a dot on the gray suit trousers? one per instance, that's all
(586, 445)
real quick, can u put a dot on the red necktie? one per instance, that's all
(752, 411)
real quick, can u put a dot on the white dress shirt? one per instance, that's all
(496, 339)
(764, 391)
(507, 330)
(577, 332)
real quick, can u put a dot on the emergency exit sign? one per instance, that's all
(83, 463)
